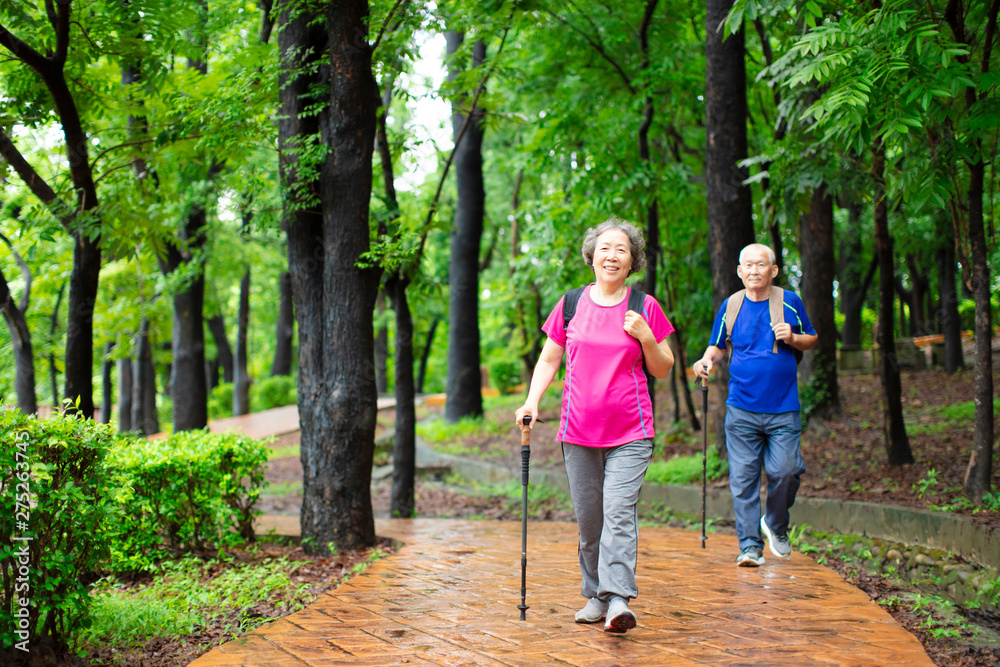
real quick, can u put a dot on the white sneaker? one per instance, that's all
(594, 612)
(620, 618)
(779, 545)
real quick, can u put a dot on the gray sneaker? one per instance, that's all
(778, 544)
(750, 557)
(594, 612)
(620, 618)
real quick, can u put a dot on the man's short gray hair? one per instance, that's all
(636, 243)
(759, 246)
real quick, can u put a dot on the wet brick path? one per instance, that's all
(449, 596)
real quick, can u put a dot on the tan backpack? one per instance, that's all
(776, 307)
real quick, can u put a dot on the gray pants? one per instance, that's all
(604, 483)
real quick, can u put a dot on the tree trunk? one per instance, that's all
(284, 329)
(107, 384)
(124, 372)
(819, 366)
(730, 225)
(853, 283)
(381, 349)
(334, 300)
(652, 208)
(404, 460)
(145, 420)
(464, 382)
(951, 325)
(224, 353)
(402, 502)
(53, 372)
(188, 387)
(978, 475)
(897, 444)
(24, 360)
(685, 386)
(425, 354)
(241, 374)
(921, 286)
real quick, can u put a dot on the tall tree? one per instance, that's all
(948, 318)
(897, 444)
(730, 222)
(124, 375)
(241, 374)
(145, 419)
(184, 256)
(224, 352)
(81, 220)
(979, 473)
(853, 283)
(464, 392)
(284, 328)
(327, 93)
(20, 335)
(818, 273)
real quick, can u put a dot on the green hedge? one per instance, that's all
(58, 487)
(220, 401)
(94, 503)
(193, 491)
(273, 392)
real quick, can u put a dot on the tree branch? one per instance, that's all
(25, 274)
(458, 139)
(597, 47)
(61, 25)
(385, 24)
(35, 183)
(23, 52)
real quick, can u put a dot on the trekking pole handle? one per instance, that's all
(525, 449)
(704, 384)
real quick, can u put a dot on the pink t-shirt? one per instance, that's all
(605, 399)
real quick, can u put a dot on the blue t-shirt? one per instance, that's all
(760, 381)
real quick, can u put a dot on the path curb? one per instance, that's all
(892, 523)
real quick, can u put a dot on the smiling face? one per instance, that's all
(756, 269)
(612, 256)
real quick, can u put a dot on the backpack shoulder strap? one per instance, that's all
(636, 302)
(636, 299)
(776, 306)
(732, 310)
(570, 299)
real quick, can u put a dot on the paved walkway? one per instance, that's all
(449, 596)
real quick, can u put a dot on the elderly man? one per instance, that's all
(765, 329)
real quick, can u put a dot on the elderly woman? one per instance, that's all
(606, 428)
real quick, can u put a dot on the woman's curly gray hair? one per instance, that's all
(636, 243)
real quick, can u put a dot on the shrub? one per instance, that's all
(58, 487)
(193, 490)
(272, 392)
(687, 469)
(220, 401)
(506, 375)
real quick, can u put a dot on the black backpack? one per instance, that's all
(636, 299)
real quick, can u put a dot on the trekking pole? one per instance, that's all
(704, 454)
(525, 454)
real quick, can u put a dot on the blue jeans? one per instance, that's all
(756, 439)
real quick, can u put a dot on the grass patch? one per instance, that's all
(184, 595)
(542, 498)
(286, 452)
(440, 431)
(283, 489)
(957, 416)
(687, 469)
